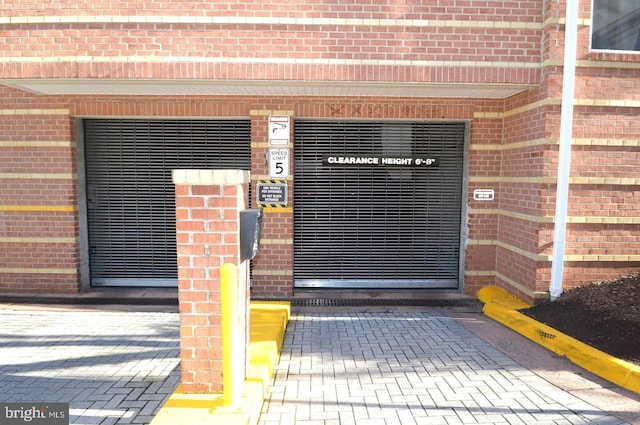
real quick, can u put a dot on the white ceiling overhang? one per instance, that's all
(147, 87)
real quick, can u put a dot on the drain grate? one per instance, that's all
(365, 302)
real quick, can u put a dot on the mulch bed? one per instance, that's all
(604, 315)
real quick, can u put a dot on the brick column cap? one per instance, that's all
(211, 177)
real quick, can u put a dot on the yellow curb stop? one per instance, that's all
(502, 307)
(267, 326)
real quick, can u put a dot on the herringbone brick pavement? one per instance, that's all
(112, 367)
(408, 368)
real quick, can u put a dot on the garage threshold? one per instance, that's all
(302, 298)
(382, 298)
(100, 296)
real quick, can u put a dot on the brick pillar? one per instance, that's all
(207, 234)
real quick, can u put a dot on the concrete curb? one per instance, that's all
(268, 323)
(502, 307)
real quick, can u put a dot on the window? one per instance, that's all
(616, 25)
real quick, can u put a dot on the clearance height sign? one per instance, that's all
(380, 161)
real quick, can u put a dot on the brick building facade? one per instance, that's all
(493, 66)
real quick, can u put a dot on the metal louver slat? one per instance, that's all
(130, 195)
(377, 227)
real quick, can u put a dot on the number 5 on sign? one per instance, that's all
(279, 163)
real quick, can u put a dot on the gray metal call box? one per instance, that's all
(250, 228)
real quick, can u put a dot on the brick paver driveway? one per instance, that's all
(405, 368)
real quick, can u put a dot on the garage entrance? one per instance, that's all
(377, 204)
(131, 197)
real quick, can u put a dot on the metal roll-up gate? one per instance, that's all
(131, 196)
(377, 204)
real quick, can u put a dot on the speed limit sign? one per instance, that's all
(279, 163)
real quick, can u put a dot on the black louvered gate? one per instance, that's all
(365, 226)
(131, 197)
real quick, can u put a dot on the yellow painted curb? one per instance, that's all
(267, 326)
(502, 307)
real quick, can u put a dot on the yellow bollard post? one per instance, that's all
(229, 301)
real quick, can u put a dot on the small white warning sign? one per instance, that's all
(279, 130)
(279, 163)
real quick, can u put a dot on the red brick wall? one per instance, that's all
(476, 42)
(603, 234)
(38, 201)
(207, 233)
(513, 142)
(496, 238)
(602, 238)
(272, 267)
